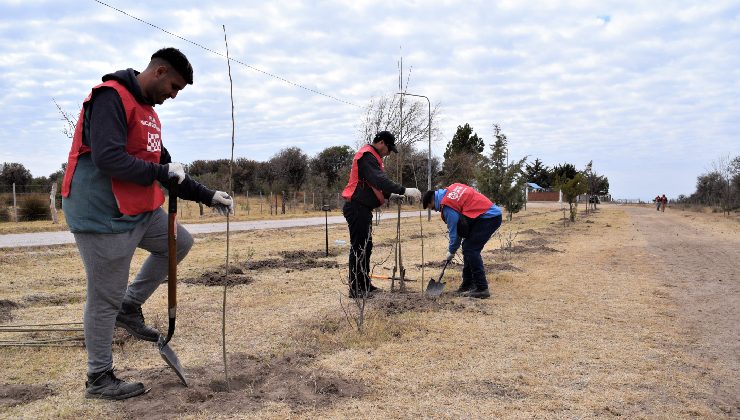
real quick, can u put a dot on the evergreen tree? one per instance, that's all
(538, 173)
(462, 156)
(503, 182)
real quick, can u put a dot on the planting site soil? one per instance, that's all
(626, 312)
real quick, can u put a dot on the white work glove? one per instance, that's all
(175, 169)
(222, 203)
(449, 256)
(413, 193)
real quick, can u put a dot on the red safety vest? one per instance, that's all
(465, 200)
(349, 190)
(144, 142)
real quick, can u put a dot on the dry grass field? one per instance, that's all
(628, 312)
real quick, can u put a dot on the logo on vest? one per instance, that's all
(153, 143)
(151, 123)
(456, 193)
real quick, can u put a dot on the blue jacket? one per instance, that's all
(452, 217)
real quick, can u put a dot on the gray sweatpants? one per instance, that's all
(107, 260)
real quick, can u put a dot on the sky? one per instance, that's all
(648, 91)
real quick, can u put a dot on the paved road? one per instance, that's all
(17, 240)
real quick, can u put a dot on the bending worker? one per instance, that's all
(112, 198)
(367, 189)
(471, 219)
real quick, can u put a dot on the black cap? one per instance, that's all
(388, 138)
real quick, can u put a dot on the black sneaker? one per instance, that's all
(464, 288)
(478, 293)
(105, 386)
(131, 319)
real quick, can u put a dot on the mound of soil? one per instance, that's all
(530, 232)
(291, 260)
(535, 242)
(518, 249)
(216, 278)
(6, 308)
(12, 394)
(397, 303)
(503, 267)
(253, 382)
(42, 299)
(303, 255)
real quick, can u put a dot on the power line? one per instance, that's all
(228, 58)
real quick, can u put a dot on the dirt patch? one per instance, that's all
(290, 265)
(254, 383)
(535, 242)
(6, 308)
(216, 278)
(290, 261)
(488, 388)
(519, 249)
(530, 232)
(303, 255)
(502, 267)
(397, 303)
(43, 299)
(12, 394)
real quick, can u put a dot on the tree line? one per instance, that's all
(503, 180)
(719, 187)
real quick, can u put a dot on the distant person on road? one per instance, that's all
(111, 199)
(658, 202)
(663, 202)
(367, 189)
(471, 219)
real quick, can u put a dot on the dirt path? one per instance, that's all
(699, 259)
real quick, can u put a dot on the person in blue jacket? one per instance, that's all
(471, 220)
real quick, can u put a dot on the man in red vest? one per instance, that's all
(471, 219)
(111, 199)
(367, 189)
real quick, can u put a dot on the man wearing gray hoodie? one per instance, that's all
(111, 199)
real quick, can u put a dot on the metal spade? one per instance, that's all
(435, 287)
(165, 350)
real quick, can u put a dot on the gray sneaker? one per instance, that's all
(131, 318)
(105, 386)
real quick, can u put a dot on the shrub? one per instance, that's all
(34, 207)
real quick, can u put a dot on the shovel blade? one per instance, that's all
(434, 288)
(170, 357)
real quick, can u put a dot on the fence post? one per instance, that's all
(53, 203)
(304, 202)
(15, 206)
(247, 202)
(282, 203)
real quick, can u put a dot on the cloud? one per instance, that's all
(649, 92)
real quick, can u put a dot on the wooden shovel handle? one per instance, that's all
(172, 248)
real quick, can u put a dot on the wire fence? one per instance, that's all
(32, 203)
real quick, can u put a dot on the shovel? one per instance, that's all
(435, 287)
(165, 350)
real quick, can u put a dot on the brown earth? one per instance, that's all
(636, 315)
(699, 265)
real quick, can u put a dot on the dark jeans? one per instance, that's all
(474, 273)
(360, 222)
